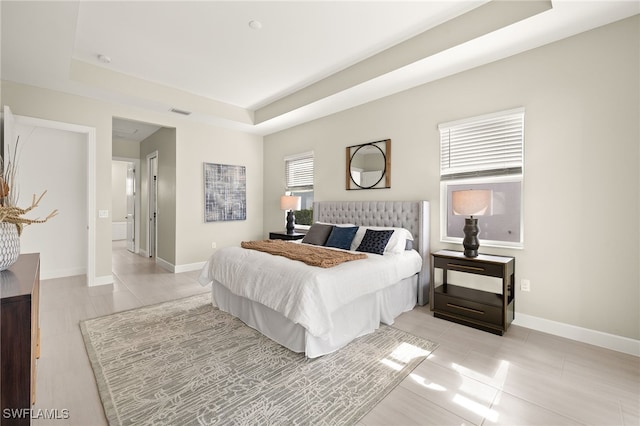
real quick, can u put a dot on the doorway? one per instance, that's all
(60, 158)
(125, 204)
(154, 146)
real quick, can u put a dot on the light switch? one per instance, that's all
(102, 214)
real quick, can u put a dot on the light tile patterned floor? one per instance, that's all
(522, 378)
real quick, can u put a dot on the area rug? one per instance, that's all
(185, 362)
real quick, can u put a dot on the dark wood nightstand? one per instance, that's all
(480, 309)
(282, 235)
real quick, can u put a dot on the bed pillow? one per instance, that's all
(375, 241)
(400, 239)
(318, 234)
(341, 237)
(339, 225)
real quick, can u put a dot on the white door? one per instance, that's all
(131, 208)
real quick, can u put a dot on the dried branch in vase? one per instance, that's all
(9, 211)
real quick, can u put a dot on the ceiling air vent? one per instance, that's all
(180, 111)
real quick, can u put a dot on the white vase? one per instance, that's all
(9, 245)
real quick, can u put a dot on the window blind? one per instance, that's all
(482, 146)
(299, 172)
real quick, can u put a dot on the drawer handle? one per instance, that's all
(471, 268)
(464, 308)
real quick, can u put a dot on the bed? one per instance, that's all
(319, 310)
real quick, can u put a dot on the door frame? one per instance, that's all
(90, 134)
(150, 200)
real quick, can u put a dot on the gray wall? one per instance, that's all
(164, 143)
(581, 167)
(581, 185)
(195, 143)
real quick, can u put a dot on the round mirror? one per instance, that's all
(367, 166)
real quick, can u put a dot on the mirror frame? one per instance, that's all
(385, 148)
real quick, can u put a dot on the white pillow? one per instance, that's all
(397, 243)
(339, 225)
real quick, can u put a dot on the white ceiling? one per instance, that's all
(132, 130)
(309, 59)
(208, 48)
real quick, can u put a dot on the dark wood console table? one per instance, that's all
(19, 337)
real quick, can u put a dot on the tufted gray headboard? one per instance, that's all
(412, 215)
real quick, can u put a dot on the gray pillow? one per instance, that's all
(317, 234)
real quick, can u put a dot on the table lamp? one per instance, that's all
(291, 203)
(471, 202)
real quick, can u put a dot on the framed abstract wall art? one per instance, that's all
(225, 192)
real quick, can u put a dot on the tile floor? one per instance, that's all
(472, 378)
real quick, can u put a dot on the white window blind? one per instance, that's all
(299, 172)
(482, 146)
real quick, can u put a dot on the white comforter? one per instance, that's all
(305, 294)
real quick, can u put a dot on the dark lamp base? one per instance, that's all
(470, 253)
(291, 222)
(470, 241)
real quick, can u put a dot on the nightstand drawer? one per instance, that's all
(468, 308)
(472, 267)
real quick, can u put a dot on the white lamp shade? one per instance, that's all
(290, 202)
(472, 202)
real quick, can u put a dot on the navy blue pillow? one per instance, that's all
(341, 237)
(375, 241)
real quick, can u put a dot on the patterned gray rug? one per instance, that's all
(185, 362)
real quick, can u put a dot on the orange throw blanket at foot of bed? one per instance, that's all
(311, 255)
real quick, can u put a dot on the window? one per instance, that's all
(298, 170)
(484, 152)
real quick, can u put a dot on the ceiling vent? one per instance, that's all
(180, 111)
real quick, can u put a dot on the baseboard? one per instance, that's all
(585, 335)
(165, 265)
(190, 267)
(176, 269)
(104, 280)
(61, 273)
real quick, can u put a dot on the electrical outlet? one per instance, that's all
(213, 245)
(525, 285)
